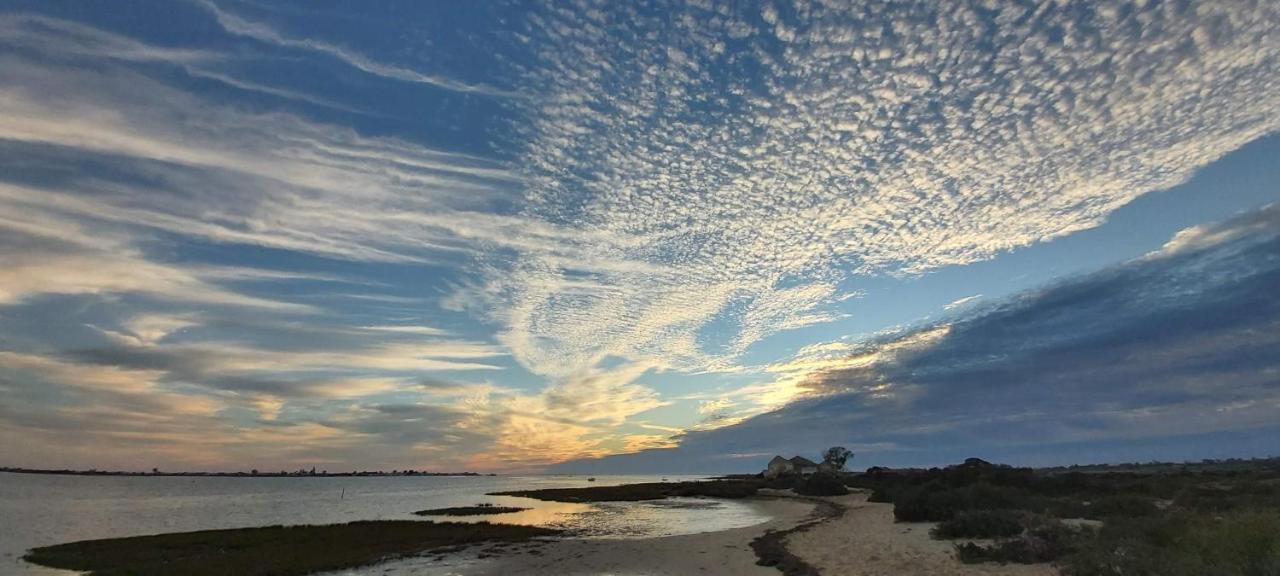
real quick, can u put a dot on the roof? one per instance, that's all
(778, 458)
(803, 462)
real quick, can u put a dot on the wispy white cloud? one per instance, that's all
(52, 37)
(962, 302)
(262, 32)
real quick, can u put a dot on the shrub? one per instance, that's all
(1245, 543)
(1049, 540)
(934, 503)
(980, 524)
(820, 485)
(1124, 505)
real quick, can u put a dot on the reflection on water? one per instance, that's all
(38, 510)
(623, 519)
(604, 520)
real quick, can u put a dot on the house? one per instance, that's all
(804, 466)
(780, 466)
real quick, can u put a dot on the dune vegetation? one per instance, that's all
(1180, 520)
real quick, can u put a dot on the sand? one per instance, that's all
(865, 541)
(725, 552)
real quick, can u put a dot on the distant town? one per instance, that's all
(252, 473)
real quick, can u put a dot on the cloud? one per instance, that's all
(1181, 344)
(680, 185)
(55, 37)
(743, 165)
(962, 302)
(263, 33)
(49, 255)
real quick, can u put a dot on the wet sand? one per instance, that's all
(725, 552)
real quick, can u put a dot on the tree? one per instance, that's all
(836, 457)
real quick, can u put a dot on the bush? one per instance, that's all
(1047, 541)
(820, 485)
(934, 503)
(1245, 543)
(1121, 505)
(980, 524)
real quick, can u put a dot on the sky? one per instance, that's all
(593, 237)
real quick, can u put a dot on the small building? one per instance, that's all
(804, 466)
(780, 466)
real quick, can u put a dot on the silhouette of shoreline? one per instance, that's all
(250, 474)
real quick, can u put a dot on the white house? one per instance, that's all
(777, 467)
(780, 466)
(804, 466)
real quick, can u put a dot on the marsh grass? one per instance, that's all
(271, 550)
(477, 510)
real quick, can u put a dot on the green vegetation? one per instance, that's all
(477, 510)
(272, 550)
(980, 524)
(1182, 543)
(820, 485)
(1215, 518)
(648, 491)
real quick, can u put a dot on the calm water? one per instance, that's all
(37, 510)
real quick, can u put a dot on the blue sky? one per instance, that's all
(599, 236)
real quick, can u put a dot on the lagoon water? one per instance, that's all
(38, 510)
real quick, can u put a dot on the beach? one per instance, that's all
(722, 552)
(862, 540)
(865, 541)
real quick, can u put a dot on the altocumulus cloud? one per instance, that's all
(1182, 342)
(733, 164)
(664, 170)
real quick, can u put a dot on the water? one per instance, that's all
(38, 510)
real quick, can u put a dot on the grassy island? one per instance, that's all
(272, 550)
(477, 510)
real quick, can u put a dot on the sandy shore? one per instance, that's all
(726, 552)
(865, 541)
(862, 541)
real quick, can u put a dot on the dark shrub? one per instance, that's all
(1245, 543)
(934, 502)
(1047, 541)
(1121, 505)
(1245, 495)
(980, 524)
(781, 482)
(820, 485)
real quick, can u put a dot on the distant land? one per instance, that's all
(250, 474)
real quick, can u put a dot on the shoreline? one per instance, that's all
(866, 541)
(720, 552)
(804, 536)
(298, 474)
